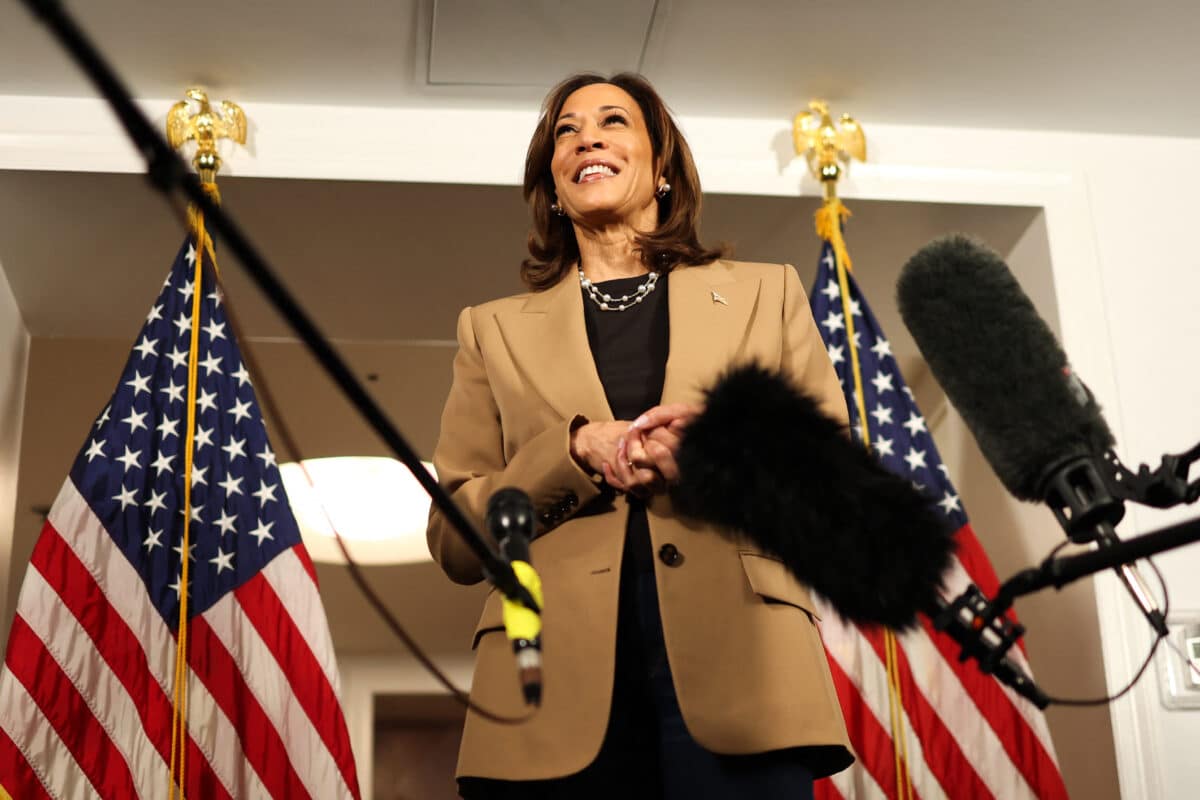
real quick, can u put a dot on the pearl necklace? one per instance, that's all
(608, 303)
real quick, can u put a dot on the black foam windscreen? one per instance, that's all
(762, 462)
(999, 364)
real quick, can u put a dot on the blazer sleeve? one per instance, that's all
(471, 464)
(805, 359)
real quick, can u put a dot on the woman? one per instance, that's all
(678, 662)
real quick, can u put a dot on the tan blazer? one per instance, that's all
(745, 654)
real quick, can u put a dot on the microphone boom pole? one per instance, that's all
(167, 172)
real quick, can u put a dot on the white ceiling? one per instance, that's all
(1083, 65)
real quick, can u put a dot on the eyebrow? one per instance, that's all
(571, 114)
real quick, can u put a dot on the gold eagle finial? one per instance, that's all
(827, 146)
(205, 127)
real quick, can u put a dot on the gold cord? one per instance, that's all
(829, 220)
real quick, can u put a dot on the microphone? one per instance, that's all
(762, 462)
(510, 520)
(1038, 425)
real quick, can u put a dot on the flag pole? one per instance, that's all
(829, 148)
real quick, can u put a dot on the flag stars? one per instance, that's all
(883, 447)
(156, 501)
(262, 532)
(139, 384)
(835, 353)
(226, 522)
(240, 410)
(211, 364)
(855, 308)
(155, 314)
(242, 375)
(214, 329)
(203, 437)
(135, 420)
(130, 459)
(883, 382)
(223, 560)
(126, 498)
(231, 485)
(915, 459)
(103, 417)
(146, 347)
(831, 290)
(177, 585)
(168, 427)
(882, 348)
(153, 540)
(178, 357)
(216, 296)
(187, 289)
(236, 448)
(198, 476)
(915, 424)
(207, 400)
(96, 448)
(173, 392)
(949, 503)
(184, 324)
(267, 456)
(191, 550)
(882, 415)
(190, 256)
(834, 322)
(265, 493)
(162, 464)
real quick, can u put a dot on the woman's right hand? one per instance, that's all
(596, 446)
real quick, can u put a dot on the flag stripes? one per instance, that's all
(15, 770)
(73, 640)
(966, 735)
(264, 678)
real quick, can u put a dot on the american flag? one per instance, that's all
(961, 733)
(87, 686)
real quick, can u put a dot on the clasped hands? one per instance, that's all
(635, 457)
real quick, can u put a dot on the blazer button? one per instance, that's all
(572, 500)
(669, 554)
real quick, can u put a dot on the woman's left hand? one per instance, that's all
(650, 444)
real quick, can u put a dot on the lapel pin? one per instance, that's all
(718, 298)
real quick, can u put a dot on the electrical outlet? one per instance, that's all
(1179, 675)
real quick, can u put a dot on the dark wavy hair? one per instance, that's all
(674, 242)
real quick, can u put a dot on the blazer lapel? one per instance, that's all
(548, 342)
(710, 310)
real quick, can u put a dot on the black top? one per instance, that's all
(630, 350)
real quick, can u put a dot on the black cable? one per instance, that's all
(266, 399)
(1099, 701)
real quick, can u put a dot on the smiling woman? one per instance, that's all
(659, 192)
(679, 662)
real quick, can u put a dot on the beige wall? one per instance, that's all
(14, 356)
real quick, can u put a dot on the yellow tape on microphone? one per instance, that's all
(519, 621)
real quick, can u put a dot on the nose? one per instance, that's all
(589, 139)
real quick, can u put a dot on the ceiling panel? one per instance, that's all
(526, 42)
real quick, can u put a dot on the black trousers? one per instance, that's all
(647, 750)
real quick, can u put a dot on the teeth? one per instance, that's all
(595, 169)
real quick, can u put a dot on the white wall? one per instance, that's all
(14, 358)
(1119, 217)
